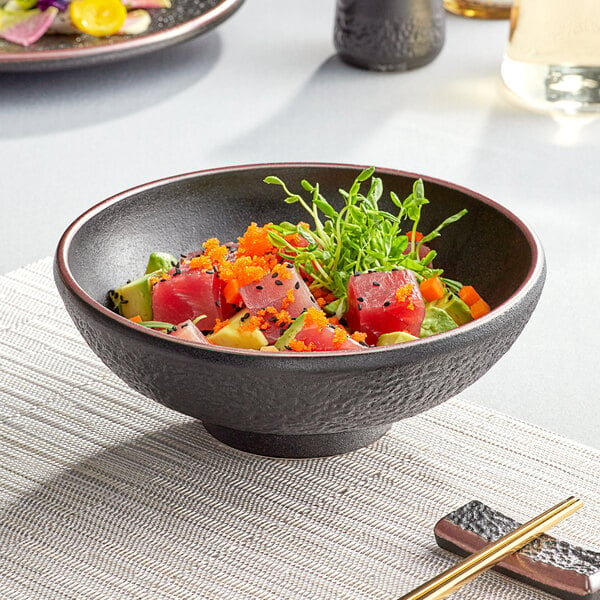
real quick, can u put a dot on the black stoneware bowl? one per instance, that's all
(304, 404)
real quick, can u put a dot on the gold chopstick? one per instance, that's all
(467, 569)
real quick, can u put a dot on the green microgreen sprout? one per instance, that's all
(158, 325)
(359, 237)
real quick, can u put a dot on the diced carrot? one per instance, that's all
(468, 294)
(231, 291)
(432, 289)
(479, 308)
(418, 236)
(136, 319)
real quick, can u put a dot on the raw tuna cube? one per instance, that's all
(188, 295)
(327, 338)
(283, 289)
(385, 302)
(311, 332)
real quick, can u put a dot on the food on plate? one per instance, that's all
(24, 22)
(356, 277)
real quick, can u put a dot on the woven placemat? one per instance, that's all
(105, 494)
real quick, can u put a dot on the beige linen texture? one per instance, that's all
(107, 495)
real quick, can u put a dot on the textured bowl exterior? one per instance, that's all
(285, 394)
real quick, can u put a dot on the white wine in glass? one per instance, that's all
(553, 56)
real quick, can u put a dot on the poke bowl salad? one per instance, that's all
(346, 279)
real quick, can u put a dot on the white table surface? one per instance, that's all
(267, 86)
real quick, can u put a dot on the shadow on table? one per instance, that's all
(353, 102)
(50, 102)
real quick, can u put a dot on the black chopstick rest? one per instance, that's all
(551, 565)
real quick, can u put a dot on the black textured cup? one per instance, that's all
(389, 35)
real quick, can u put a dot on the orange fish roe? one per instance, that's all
(340, 335)
(299, 346)
(201, 262)
(217, 255)
(246, 269)
(283, 271)
(334, 320)
(282, 317)
(251, 324)
(403, 294)
(359, 336)
(255, 242)
(220, 324)
(289, 298)
(154, 280)
(211, 243)
(321, 302)
(317, 317)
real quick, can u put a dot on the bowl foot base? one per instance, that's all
(297, 446)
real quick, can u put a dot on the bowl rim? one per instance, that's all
(536, 267)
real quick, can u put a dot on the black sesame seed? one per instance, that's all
(245, 317)
(209, 272)
(111, 292)
(274, 275)
(297, 285)
(128, 281)
(278, 281)
(359, 307)
(218, 304)
(121, 297)
(287, 347)
(259, 287)
(387, 303)
(289, 265)
(360, 299)
(184, 325)
(312, 299)
(182, 255)
(376, 283)
(162, 279)
(124, 301)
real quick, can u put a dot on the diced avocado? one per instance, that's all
(160, 261)
(135, 297)
(397, 337)
(455, 307)
(290, 332)
(231, 336)
(436, 320)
